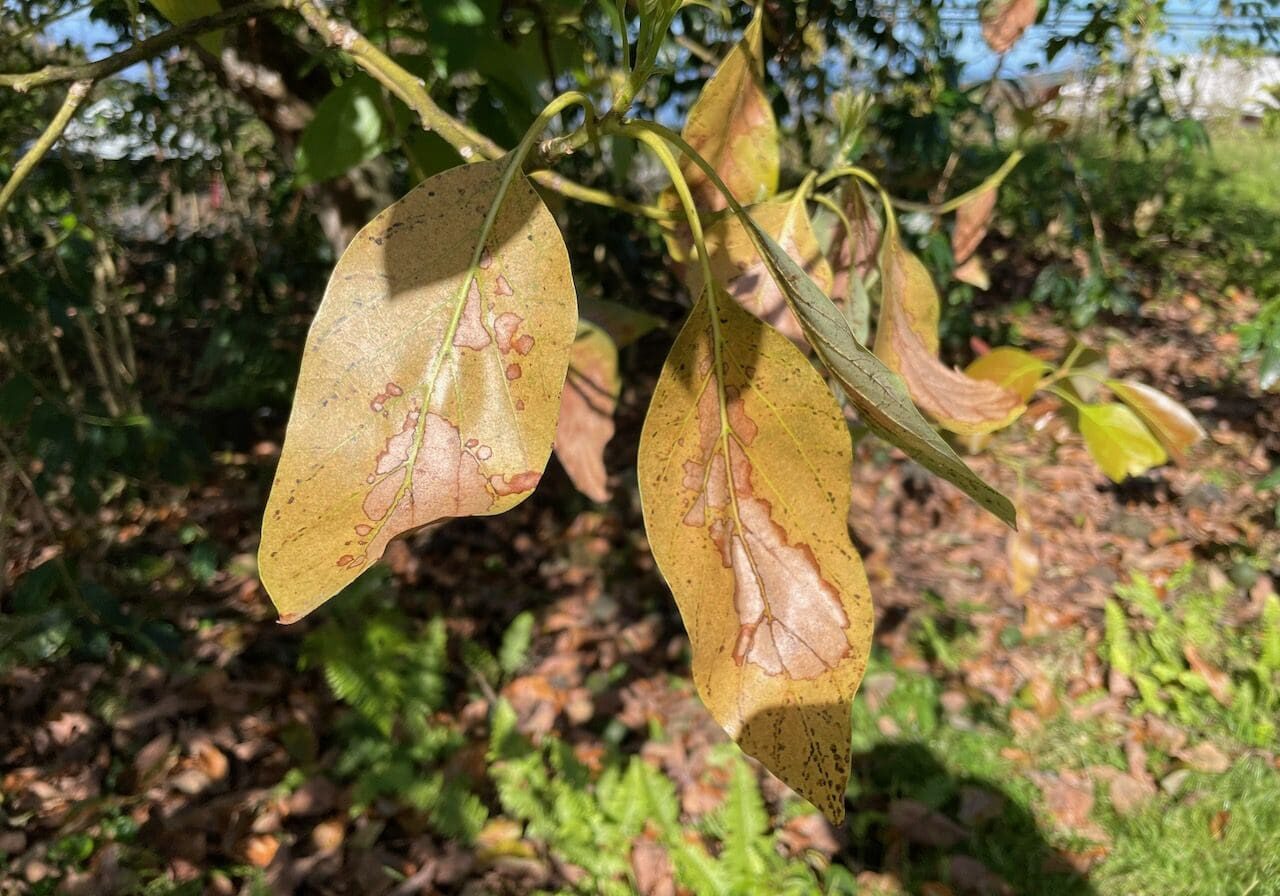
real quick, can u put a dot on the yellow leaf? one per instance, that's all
(179, 12)
(736, 263)
(907, 342)
(1117, 440)
(731, 125)
(1171, 423)
(1004, 21)
(744, 471)
(1012, 368)
(430, 381)
(586, 410)
(973, 220)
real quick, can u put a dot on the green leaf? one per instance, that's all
(346, 130)
(876, 391)
(1118, 441)
(179, 12)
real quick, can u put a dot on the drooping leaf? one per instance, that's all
(876, 391)
(1012, 368)
(1118, 441)
(907, 342)
(430, 381)
(744, 471)
(623, 323)
(854, 249)
(346, 131)
(973, 221)
(731, 125)
(1004, 21)
(179, 12)
(736, 263)
(973, 272)
(1168, 420)
(586, 410)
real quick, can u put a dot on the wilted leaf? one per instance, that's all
(731, 125)
(1118, 442)
(744, 472)
(586, 410)
(1171, 423)
(179, 12)
(736, 263)
(854, 250)
(345, 131)
(877, 392)
(430, 381)
(907, 342)
(1012, 368)
(973, 272)
(973, 220)
(1004, 21)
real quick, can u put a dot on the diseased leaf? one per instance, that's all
(744, 471)
(854, 249)
(877, 392)
(973, 221)
(1004, 21)
(907, 342)
(1118, 442)
(179, 12)
(1168, 420)
(973, 272)
(731, 125)
(1012, 368)
(586, 410)
(430, 381)
(736, 263)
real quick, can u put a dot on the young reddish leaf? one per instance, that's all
(876, 391)
(744, 473)
(586, 410)
(731, 125)
(973, 272)
(1012, 368)
(1004, 21)
(907, 341)
(854, 249)
(1117, 440)
(1171, 423)
(973, 221)
(430, 381)
(736, 263)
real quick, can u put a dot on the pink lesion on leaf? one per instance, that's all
(506, 327)
(471, 332)
(379, 401)
(502, 286)
(513, 371)
(513, 485)
(791, 620)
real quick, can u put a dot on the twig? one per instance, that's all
(152, 46)
(71, 103)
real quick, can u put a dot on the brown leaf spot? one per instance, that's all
(514, 485)
(345, 559)
(503, 287)
(471, 332)
(363, 530)
(792, 621)
(505, 326)
(486, 259)
(513, 371)
(393, 390)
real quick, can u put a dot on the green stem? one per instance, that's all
(75, 97)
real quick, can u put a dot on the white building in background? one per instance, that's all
(1210, 86)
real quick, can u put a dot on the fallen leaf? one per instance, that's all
(1207, 758)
